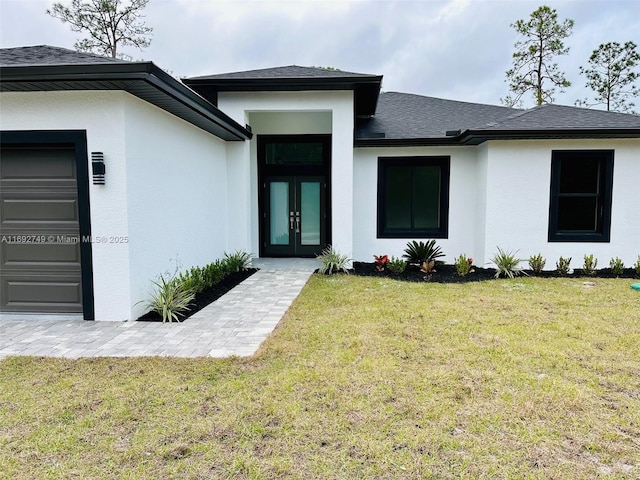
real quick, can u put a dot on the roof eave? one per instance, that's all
(477, 137)
(134, 78)
(405, 142)
(366, 89)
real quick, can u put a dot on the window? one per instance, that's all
(580, 204)
(309, 153)
(413, 197)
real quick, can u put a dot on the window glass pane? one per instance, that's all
(426, 197)
(578, 214)
(279, 211)
(398, 197)
(310, 213)
(294, 154)
(579, 175)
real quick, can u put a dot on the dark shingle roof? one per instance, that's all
(48, 55)
(417, 120)
(403, 115)
(550, 116)
(292, 78)
(288, 72)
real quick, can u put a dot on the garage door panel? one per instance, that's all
(52, 164)
(42, 255)
(43, 294)
(20, 211)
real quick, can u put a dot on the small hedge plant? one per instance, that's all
(396, 265)
(562, 265)
(537, 263)
(617, 266)
(590, 264)
(464, 265)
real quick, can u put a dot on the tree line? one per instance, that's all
(611, 73)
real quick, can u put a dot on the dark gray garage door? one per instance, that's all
(39, 248)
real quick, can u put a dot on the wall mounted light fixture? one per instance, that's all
(97, 167)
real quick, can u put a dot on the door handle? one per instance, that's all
(290, 220)
(297, 222)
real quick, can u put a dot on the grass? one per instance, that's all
(364, 378)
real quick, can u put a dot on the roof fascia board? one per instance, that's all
(189, 98)
(296, 84)
(476, 137)
(405, 142)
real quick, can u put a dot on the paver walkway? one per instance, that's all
(235, 324)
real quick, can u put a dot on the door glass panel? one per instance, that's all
(279, 211)
(310, 213)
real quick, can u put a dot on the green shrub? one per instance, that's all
(213, 273)
(170, 299)
(617, 266)
(637, 266)
(192, 279)
(537, 263)
(507, 264)
(236, 261)
(396, 265)
(332, 261)
(464, 265)
(590, 264)
(198, 279)
(418, 253)
(562, 265)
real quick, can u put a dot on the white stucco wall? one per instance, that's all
(176, 193)
(517, 201)
(499, 196)
(462, 202)
(294, 113)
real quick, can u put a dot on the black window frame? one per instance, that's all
(602, 233)
(442, 231)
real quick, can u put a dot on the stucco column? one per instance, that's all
(342, 175)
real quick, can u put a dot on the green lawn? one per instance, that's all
(364, 378)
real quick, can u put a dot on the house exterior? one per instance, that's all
(281, 162)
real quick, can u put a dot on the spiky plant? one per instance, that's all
(419, 252)
(507, 264)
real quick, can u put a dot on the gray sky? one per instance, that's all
(456, 49)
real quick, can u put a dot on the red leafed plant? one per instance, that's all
(381, 262)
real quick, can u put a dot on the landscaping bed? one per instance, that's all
(205, 297)
(448, 273)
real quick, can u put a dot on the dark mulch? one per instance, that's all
(206, 297)
(448, 274)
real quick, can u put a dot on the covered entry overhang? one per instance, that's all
(293, 106)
